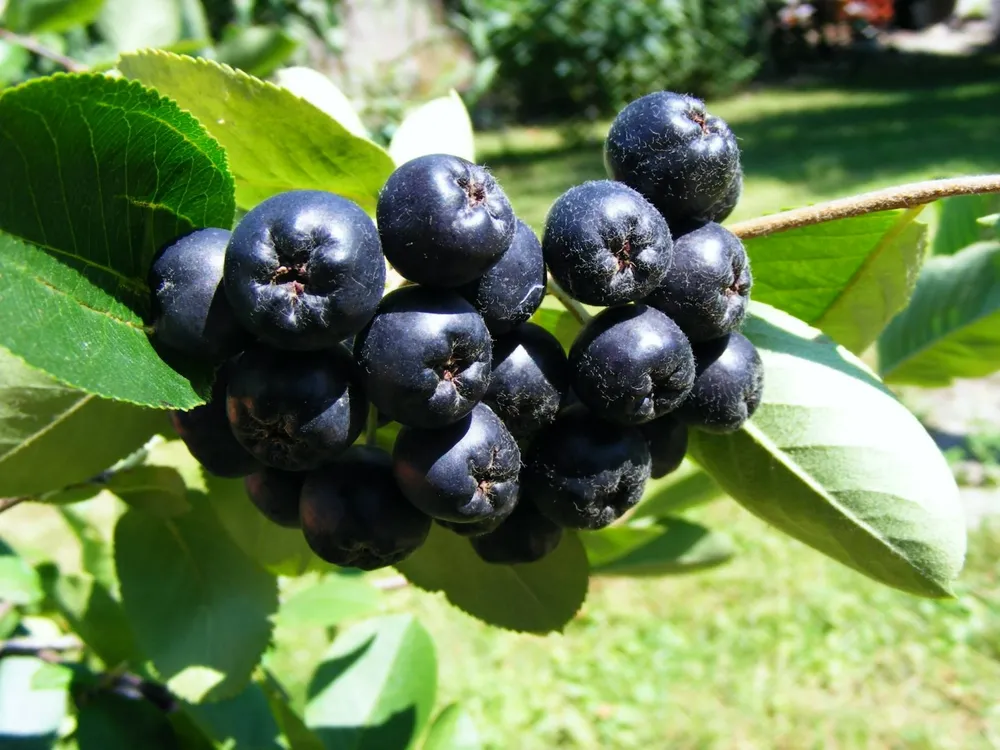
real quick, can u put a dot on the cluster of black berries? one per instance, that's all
(504, 438)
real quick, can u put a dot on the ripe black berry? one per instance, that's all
(191, 314)
(206, 433)
(526, 537)
(295, 410)
(667, 438)
(478, 528)
(466, 472)
(425, 357)
(354, 515)
(722, 208)
(681, 158)
(583, 472)
(304, 269)
(443, 220)
(276, 495)
(513, 287)
(708, 288)
(631, 364)
(729, 385)
(605, 244)
(530, 379)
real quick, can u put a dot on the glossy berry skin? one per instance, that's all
(667, 438)
(295, 411)
(681, 158)
(443, 220)
(583, 472)
(425, 357)
(276, 495)
(721, 209)
(605, 244)
(708, 289)
(729, 385)
(353, 514)
(466, 472)
(529, 381)
(304, 270)
(191, 314)
(478, 528)
(631, 364)
(526, 537)
(206, 433)
(512, 288)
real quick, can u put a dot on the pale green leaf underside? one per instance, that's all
(440, 126)
(275, 141)
(951, 328)
(453, 729)
(834, 460)
(846, 277)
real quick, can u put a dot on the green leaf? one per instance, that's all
(951, 328)
(158, 490)
(686, 487)
(329, 602)
(375, 687)
(668, 547)
(453, 729)
(243, 721)
(440, 126)
(106, 721)
(834, 460)
(321, 92)
(52, 677)
(244, 113)
(99, 174)
(554, 318)
(13, 61)
(29, 717)
(846, 277)
(54, 16)
(990, 222)
(293, 728)
(19, 582)
(537, 598)
(199, 607)
(256, 50)
(158, 25)
(958, 225)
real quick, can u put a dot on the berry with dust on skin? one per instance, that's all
(605, 244)
(666, 146)
(529, 381)
(526, 537)
(276, 495)
(583, 472)
(295, 410)
(443, 220)
(514, 287)
(466, 472)
(304, 270)
(729, 385)
(631, 364)
(667, 438)
(707, 290)
(191, 314)
(425, 357)
(206, 433)
(353, 514)
(725, 206)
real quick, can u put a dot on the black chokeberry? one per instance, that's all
(191, 314)
(728, 387)
(583, 472)
(443, 220)
(724, 207)
(530, 379)
(605, 244)
(681, 158)
(526, 537)
(295, 410)
(478, 528)
(206, 433)
(466, 472)
(708, 288)
(354, 515)
(304, 269)
(425, 357)
(276, 494)
(512, 288)
(631, 364)
(667, 438)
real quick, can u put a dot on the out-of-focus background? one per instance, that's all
(781, 648)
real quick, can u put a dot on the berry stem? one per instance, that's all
(576, 309)
(6, 503)
(73, 66)
(371, 428)
(901, 196)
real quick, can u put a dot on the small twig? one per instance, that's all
(390, 584)
(371, 428)
(43, 649)
(32, 45)
(573, 307)
(902, 196)
(6, 503)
